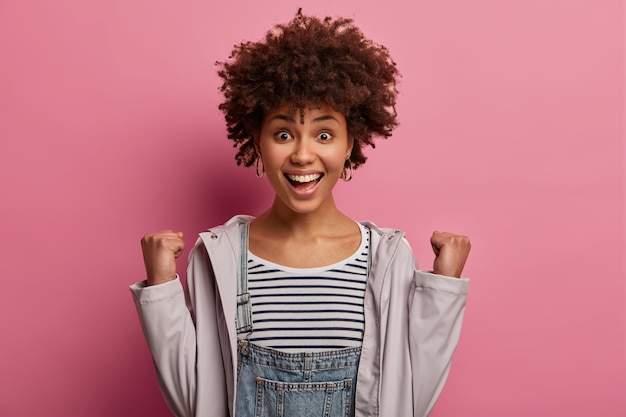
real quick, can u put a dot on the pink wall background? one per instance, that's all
(512, 122)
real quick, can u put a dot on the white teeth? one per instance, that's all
(304, 178)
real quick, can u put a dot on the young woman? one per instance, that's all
(302, 311)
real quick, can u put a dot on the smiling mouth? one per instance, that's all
(303, 182)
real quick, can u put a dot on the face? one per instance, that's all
(303, 161)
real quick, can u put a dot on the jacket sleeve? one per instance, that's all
(170, 334)
(169, 329)
(167, 319)
(436, 307)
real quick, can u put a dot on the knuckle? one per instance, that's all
(146, 239)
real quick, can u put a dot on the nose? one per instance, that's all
(303, 152)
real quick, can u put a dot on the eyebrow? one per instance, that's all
(290, 119)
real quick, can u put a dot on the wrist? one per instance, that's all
(150, 281)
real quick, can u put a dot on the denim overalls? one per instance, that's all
(271, 383)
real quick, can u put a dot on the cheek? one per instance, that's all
(274, 164)
(335, 164)
(269, 154)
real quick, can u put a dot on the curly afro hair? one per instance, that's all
(310, 61)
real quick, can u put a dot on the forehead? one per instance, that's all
(310, 113)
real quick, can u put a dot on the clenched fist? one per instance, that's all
(450, 253)
(160, 251)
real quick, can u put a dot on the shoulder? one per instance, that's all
(386, 233)
(229, 229)
(232, 224)
(216, 252)
(391, 244)
(217, 236)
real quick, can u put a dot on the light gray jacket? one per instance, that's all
(412, 326)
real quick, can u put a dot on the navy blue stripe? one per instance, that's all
(292, 329)
(356, 339)
(267, 271)
(304, 319)
(307, 311)
(360, 297)
(300, 278)
(347, 272)
(281, 287)
(306, 302)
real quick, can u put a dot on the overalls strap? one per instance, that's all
(243, 318)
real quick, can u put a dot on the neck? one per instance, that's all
(323, 220)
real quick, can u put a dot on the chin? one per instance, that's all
(302, 206)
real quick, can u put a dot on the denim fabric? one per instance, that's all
(271, 383)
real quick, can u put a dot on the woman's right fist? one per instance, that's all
(160, 251)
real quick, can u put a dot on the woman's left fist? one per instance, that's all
(451, 252)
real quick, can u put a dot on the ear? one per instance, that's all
(349, 150)
(255, 141)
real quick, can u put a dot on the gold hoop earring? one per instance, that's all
(347, 172)
(262, 174)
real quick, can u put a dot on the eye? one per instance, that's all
(283, 136)
(324, 136)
